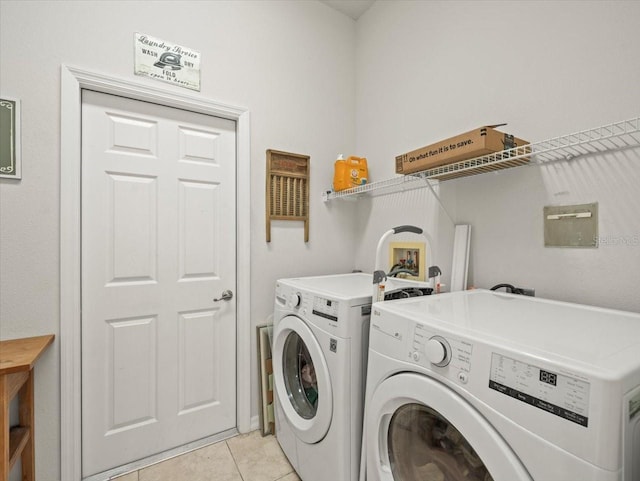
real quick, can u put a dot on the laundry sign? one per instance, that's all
(167, 62)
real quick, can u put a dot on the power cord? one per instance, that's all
(508, 288)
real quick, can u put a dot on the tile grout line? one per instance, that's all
(235, 462)
(226, 442)
(291, 470)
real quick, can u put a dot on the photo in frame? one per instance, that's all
(407, 260)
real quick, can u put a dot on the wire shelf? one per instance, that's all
(615, 136)
(399, 183)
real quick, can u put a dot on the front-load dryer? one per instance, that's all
(480, 386)
(320, 337)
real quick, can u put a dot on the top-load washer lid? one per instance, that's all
(601, 339)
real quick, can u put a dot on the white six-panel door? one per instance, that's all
(158, 245)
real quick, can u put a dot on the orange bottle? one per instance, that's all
(349, 173)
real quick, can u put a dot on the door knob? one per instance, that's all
(226, 296)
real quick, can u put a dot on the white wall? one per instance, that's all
(290, 63)
(407, 74)
(427, 70)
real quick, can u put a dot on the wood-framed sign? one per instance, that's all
(165, 61)
(287, 192)
(10, 152)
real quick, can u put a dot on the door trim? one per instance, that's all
(73, 81)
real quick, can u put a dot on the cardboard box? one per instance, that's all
(475, 143)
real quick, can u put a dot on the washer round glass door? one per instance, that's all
(427, 431)
(299, 375)
(302, 379)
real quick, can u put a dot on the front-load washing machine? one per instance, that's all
(319, 355)
(480, 385)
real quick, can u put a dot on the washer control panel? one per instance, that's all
(342, 317)
(295, 299)
(449, 356)
(327, 308)
(306, 303)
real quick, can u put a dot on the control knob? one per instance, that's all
(438, 351)
(295, 299)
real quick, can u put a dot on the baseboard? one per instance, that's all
(255, 423)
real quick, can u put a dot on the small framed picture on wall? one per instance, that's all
(10, 161)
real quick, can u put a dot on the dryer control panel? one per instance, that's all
(553, 392)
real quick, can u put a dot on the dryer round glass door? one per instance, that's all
(422, 444)
(301, 378)
(418, 429)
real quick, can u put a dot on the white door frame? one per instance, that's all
(73, 80)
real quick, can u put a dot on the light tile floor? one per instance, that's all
(246, 457)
